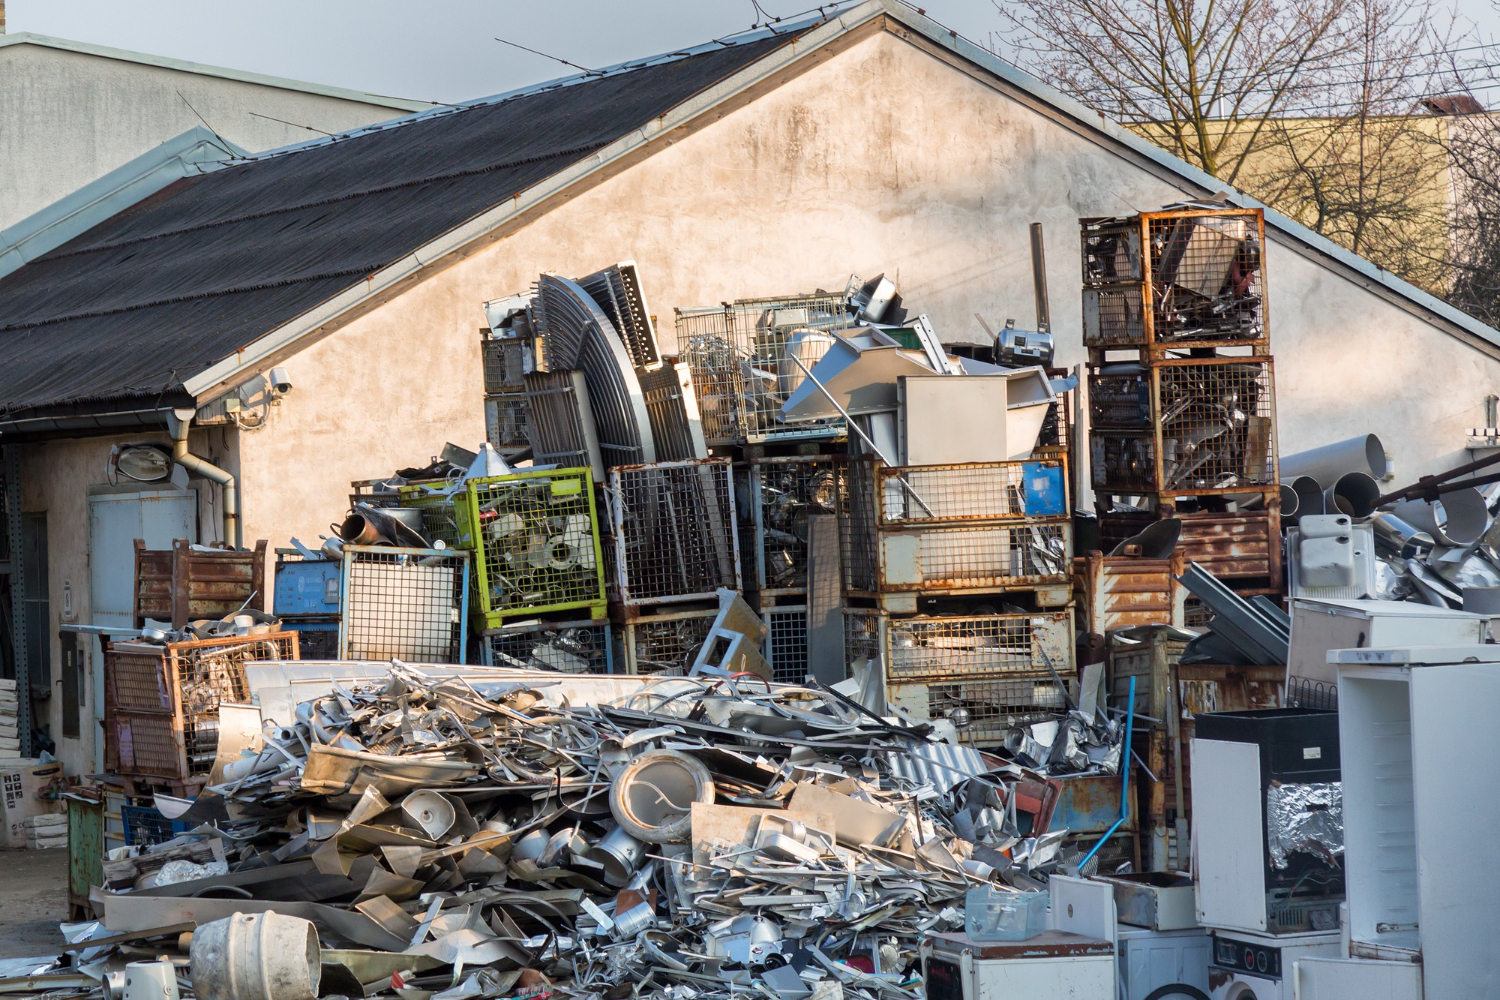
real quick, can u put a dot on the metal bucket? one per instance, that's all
(256, 956)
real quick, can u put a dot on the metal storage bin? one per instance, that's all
(505, 362)
(439, 512)
(1239, 546)
(1199, 283)
(786, 643)
(506, 419)
(183, 584)
(784, 492)
(991, 669)
(1184, 427)
(741, 369)
(161, 707)
(575, 647)
(664, 644)
(674, 528)
(1123, 591)
(982, 527)
(535, 539)
(409, 604)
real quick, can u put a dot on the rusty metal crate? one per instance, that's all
(161, 702)
(1242, 548)
(665, 643)
(675, 532)
(983, 527)
(1183, 427)
(1114, 592)
(784, 492)
(1178, 278)
(741, 369)
(183, 584)
(583, 646)
(401, 603)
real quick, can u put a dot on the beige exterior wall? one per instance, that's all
(67, 118)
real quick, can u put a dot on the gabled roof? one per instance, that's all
(199, 69)
(210, 279)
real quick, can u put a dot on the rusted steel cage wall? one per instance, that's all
(784, 493)
(1200, 281)
(742, 372)
(981, 527)
(183, 584)
(1242, 548)
(1183, 427)
(535, 539)
(988, 672)
(161, 702)
(1114, 592)
(786, 643)
(572, 647)
(675, 531)
(663, 643)
(410, 604)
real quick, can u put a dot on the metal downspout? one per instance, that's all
(178, 423)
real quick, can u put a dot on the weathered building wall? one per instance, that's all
(67, 118)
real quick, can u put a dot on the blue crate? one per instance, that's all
(145, 826)
(306, 586)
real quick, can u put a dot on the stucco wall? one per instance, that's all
(55, 479)
(67, 118)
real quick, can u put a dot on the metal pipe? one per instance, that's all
(1309, 493)
(1459, 518)
(178, 422)
(1039, 280)
(1354, 494)
(1358, 454)
(1124, 782)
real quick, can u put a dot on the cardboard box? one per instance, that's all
(20, 782)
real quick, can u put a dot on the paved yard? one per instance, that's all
(33, 898)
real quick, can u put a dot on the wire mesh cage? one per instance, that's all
(741, 359)
(505, 361)
(1183, 426)
(506, 419)
(784, 493)
(1200, 283)
(162, 701)
(666, 643)
(145, 826)
(786, 643)
(438, 502)
(535, 538)
(979, 527)
(570, 647)
(675, 530)
(408, 604)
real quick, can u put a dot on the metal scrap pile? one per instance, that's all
(695, 836)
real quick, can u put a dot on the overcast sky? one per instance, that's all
(442, 50)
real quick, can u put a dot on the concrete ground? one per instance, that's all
(33, 898)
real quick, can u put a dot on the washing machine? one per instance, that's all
(1260, 966)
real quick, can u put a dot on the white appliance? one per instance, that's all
(1261, 967)
(1319, 626)
(1073, 959)
(1419, 749)
(1356, 979)
(1152, 961)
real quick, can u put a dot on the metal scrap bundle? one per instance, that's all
(696, 835)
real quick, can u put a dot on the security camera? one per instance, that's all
(280, 381)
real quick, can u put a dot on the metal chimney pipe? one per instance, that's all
(1039, 280)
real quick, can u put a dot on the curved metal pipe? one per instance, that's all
(1353, 493)
(178, 422)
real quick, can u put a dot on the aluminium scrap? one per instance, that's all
(697, 837)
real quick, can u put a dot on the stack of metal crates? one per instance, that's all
(506, 408)
(957, 580)
(1182, 405)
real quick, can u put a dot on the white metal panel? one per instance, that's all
(1082, 906)
(1150, 960)
(1455, 757)
(1229, 831)
(1355, 979)
(1079, 977)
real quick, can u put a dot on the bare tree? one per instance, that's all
(1200, 78)
(1471, 143)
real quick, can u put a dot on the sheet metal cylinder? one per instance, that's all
(1326, 464)
(256, 956)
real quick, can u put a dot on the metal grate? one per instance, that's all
(535, 537)
(561, 428)
(439, 511)
(315, 642)
(504, 363)
(1111, 251)
(409, 604)
(992, 705)
(786, 643)
(981, 527)
(676, 425)
(784, 493)
(674, 527)
(146, 826)
(741, 368)
(1206, 277)
(573, 647)
(617, 290)
(1183, 426)
(505, 422)
(941, 648)
(1113, 317)
(665, 644)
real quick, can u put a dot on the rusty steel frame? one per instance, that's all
(1116, 592)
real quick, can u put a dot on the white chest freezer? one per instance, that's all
(1054, 964)
(1319, 626)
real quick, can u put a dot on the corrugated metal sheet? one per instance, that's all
(161, 291)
